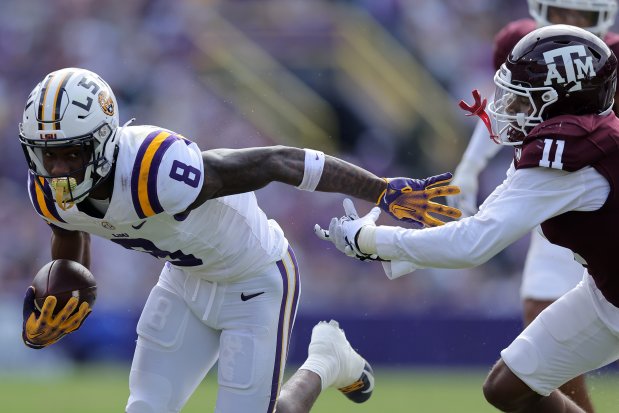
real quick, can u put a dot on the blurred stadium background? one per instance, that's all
(373, 81)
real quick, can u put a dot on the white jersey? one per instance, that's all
(158, 175)
(524, 200)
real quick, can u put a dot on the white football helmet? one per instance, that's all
(606, 12)
(71, 107)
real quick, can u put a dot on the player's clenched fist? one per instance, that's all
(409, 200)
(40, 329)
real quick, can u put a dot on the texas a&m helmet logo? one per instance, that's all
(106, 103)
(577, 66)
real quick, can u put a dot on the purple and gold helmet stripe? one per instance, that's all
(42, 199)
(289, 270)
(58, 99)
(42, 101)
(145, 171)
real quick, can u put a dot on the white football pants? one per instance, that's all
(188, 324)
(576, 334)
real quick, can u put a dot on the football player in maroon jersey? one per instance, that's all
(549, 270)
(553, 104)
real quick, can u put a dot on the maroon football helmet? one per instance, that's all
(554, 70)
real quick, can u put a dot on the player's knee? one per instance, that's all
(495, 389)
(150, 393)
(493, 393)
(503, 390)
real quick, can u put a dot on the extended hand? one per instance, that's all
(40, 329)
(343, 231)
(409, 200)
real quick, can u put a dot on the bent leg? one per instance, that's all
(173, 353)
(299, 393)
(575, 389)
(505, 391)
(549, 273)
(566, 340)
(331, 362)
(255, 338)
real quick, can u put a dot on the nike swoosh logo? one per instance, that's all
(138, 226)
(250, 296)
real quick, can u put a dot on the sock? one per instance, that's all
(327, 367)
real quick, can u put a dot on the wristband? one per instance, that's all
(314, 164)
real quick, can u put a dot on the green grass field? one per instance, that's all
(104, 390)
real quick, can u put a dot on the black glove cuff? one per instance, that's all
(30, 344)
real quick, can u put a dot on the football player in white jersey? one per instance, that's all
(229, 289)
(554, 105)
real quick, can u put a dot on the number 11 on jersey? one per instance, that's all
(556, 161)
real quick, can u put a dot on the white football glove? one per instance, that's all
(343, 231)
(466, 201)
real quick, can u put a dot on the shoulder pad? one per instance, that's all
(166, 175)
(569, 142)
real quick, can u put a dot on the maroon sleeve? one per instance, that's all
(506, 39)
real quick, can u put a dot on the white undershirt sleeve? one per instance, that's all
(527, 198)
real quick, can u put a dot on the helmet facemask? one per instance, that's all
(66, 189)
(517, 108)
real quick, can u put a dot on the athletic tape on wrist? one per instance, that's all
(314, 164)
(366, 240)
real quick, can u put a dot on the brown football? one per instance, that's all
(64, 279)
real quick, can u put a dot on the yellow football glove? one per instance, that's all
(44, 328)
(409, 200)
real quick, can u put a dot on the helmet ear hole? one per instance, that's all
(549, 96)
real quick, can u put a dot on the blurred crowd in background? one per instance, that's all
(375, 82)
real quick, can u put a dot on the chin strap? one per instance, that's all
(62, 186)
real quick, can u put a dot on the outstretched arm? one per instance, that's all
(233, 171)
(229, 171)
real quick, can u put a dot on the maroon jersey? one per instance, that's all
(570, 143)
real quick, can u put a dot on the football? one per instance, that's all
(64, 279)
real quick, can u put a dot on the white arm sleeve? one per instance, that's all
(541, 193)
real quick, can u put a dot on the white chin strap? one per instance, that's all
(62, 187)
